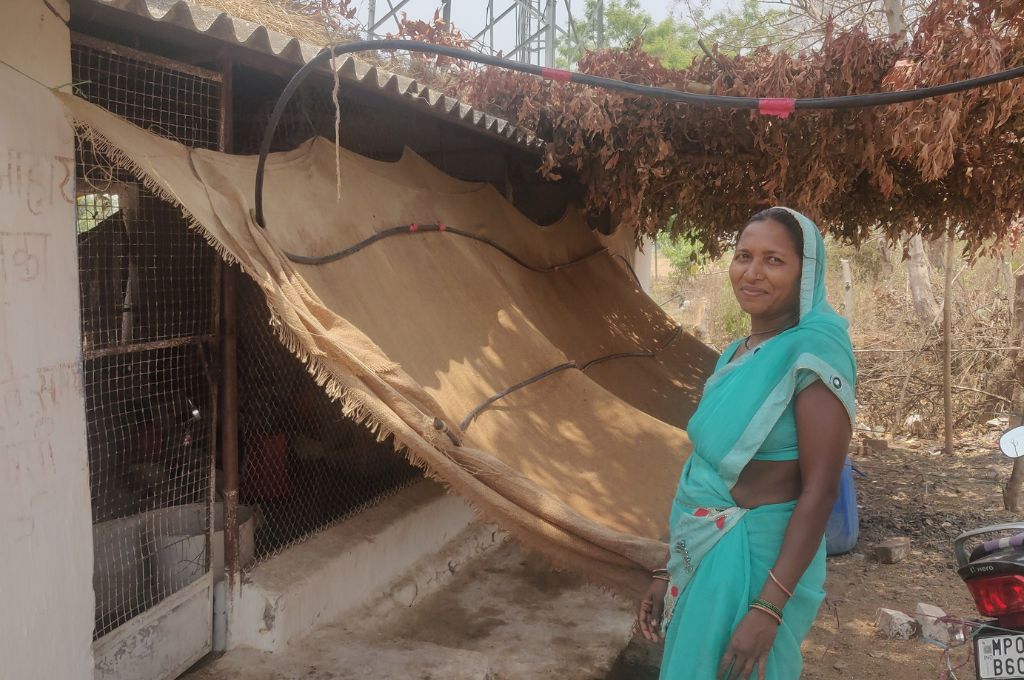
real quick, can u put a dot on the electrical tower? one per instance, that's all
(538, 25)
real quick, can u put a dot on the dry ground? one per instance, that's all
(911, 490)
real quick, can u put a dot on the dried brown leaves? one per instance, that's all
(435, 31)
(905, 167)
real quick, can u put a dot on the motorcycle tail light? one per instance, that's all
(998, 595)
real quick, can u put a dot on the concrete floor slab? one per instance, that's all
(529, 621)
(504, 616)
(344, 658)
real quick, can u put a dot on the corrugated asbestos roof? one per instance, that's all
(214, 23)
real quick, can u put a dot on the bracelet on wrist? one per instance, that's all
(768, 607)
(775, 579)
(769, 612)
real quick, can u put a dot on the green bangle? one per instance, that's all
(771, 606)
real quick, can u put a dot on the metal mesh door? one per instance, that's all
(149, 336)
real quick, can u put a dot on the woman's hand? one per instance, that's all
(651, 608)
(749, 647)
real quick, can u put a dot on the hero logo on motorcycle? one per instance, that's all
(1001, 657)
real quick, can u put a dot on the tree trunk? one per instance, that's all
(925, 307)
(936, 250)
(847, 290)
(1012, 490)
(883, 253)
(895, 18)
(1006, 282)
(695, 318)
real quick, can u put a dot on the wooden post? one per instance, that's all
(847, 290)
(229, 365)
(947, 334)
(229, 422)
(1011, 492)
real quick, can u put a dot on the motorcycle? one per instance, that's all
(993, 572)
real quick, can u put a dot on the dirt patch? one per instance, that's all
(911, 490)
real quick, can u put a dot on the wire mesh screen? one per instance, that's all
(149, 310)
(310, 112)
(304, 465)
(372, 129)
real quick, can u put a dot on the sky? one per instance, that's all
(469, 15)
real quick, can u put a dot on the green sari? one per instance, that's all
(720, 554)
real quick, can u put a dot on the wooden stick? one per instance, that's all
(704, 48)
(1011, 492)
(947, 332)
(145, 57)
(171, 343)
(987, 394)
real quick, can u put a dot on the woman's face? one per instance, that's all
(765, 271)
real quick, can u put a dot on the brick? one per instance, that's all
(892, 550)
(896, 625)
(935, 631)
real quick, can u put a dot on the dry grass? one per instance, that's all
(899, 357)
(276, 16)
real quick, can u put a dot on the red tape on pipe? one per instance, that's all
(556, 74)
(776, 107)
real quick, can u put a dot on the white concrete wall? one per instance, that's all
(46, 610)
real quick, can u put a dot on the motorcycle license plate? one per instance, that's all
(1000, 657)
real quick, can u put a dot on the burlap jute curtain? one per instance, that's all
(415, 330)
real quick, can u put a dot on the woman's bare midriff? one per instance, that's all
(764, 482)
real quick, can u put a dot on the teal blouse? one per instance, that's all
(780, 444)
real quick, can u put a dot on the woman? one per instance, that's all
(746, 567)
